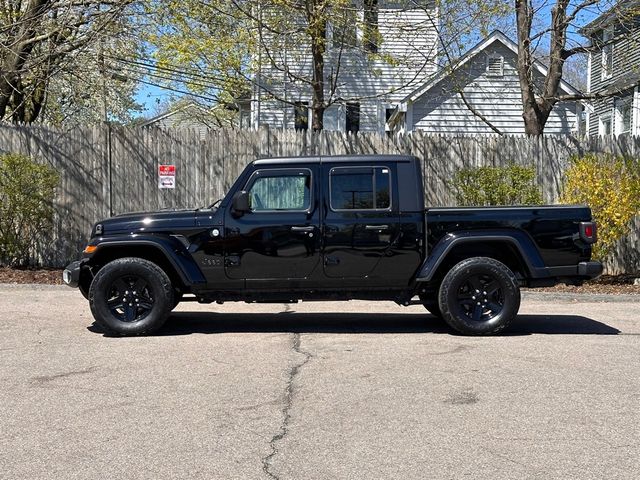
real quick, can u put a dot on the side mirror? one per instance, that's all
(240, 203)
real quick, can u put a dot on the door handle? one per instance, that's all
(310, 228)
(376, 227)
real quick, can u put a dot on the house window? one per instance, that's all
(245, 118)
(345, 27)
(495, 65)
(387, 113)
(623, 117)
(353, 117)
(370, 31)
(360, 188)
(607, 53)
(387, 116)
(301, 110)
(605, 125)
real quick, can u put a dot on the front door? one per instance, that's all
(360, 222)
(278, 240)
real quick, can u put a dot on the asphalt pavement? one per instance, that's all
(333, 390)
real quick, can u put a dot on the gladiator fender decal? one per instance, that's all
(172, 249)
(520, 240)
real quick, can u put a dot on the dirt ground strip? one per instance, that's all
(607, 284)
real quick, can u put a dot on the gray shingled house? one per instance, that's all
(487, 77)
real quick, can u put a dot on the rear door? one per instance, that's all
(360, 219)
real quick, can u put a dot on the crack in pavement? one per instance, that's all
(286, 408)
(49, 378)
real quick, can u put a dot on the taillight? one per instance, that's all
(588, 232)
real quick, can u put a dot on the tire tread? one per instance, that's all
(453, 276)
(125, 263)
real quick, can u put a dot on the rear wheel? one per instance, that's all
(131, 296)
(479, 296)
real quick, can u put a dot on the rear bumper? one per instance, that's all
(583, 271)
(590, 269)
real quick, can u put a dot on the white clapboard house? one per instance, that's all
(369, 79)
(614, 71)
(483, 84)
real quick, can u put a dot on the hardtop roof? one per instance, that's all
(319, 159)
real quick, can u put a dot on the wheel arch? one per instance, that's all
(182, 270)
(514, 249)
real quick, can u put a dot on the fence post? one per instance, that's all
(109, 166)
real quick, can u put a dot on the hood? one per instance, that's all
(139, 222)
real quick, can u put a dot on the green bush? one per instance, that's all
(508, 185)
(611, 187)
(26, 210)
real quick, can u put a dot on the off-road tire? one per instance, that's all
(479, 296)
(144, 311)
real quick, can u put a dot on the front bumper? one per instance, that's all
(71, 274)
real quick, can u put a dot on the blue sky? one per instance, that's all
(149, 96)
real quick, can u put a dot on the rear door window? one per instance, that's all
(360, 188)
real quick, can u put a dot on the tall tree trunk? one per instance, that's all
(18, 102)
(38, 99)
(530, 110)
(11, 68)
(317, 20)
(536, 109)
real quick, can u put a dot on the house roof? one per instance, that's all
(495, 37)
(171, 113)
(620, 9)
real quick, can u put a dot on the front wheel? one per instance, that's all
(479, 296)
(131, 296)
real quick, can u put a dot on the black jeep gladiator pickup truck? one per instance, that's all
(332, 228)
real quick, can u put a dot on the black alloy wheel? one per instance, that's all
(131, 296)
(479, 296)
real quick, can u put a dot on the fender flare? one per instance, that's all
(520, 240)
(172, 249)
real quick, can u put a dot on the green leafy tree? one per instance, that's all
(509, 185)
(27, 190)
(54, 57)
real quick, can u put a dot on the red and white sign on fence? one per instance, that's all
(166, 176)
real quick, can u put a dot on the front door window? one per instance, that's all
(288, 190)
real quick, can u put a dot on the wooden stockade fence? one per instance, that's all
(109, 170)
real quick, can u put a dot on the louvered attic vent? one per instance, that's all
(495, 66)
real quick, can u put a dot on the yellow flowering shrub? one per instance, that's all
(611, 187)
